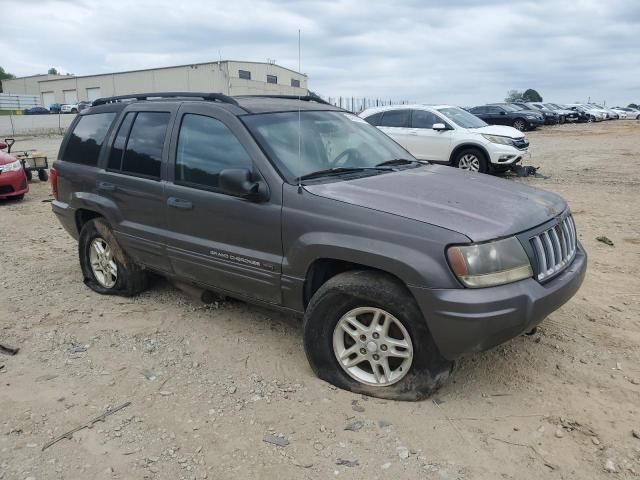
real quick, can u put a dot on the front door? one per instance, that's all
(228, 243)
(424, 142)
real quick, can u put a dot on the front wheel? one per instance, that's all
(520, 124)
(591, 119)
(471, 159)
(108, 269)
(364, 332)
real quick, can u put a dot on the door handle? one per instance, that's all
(412, 131)
(179, 203)
(106, 186)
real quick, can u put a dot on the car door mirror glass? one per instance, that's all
(239, 183)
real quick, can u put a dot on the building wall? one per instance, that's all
(26, 85)
(208, 77)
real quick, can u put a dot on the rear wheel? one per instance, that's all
(520, 124)
(591, 119)
(364, 332)
(29, 175)
(471, 159)
(108, 269)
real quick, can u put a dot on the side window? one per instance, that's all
(206, 147)
(479, 110)
(395, 118)
(494, 110)
(87, 138)
(143, 151)
(117, 149)
(423, 119)
(374, 119)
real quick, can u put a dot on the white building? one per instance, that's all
(228, 76)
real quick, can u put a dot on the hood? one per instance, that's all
(477, 205)
(501, 130)
(6, 158)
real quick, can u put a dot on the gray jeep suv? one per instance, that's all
(397, 266)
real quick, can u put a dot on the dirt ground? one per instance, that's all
(207, 383)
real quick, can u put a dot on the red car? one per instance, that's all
(13, 181)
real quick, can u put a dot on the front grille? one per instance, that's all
(521, 143)
(555, 248)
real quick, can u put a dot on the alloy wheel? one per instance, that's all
(519, 125)
(372, 346)
(103, 266)
(469, 162)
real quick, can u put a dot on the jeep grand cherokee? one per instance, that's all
(397, 266)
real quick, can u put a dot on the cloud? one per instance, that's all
(461, 51)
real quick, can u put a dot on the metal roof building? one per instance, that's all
(226, 76)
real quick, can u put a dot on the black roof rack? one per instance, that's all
(310, 97)
(211, 97)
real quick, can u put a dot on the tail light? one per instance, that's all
(53, 178)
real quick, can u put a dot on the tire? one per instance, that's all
(17, 198)
(361, 293)
(520, 124)
(561, 119)
(591, 119)
(471, 159)
(43, 175)
(74, 110)
(127, 279)
(29, 175)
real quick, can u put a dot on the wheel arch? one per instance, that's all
(466, 145)
(84, 215)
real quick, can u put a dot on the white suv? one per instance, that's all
(451, 135)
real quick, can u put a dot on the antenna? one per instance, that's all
(299, 115)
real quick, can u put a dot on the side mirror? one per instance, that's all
(503, 113)
(239, 183)
(439, 126)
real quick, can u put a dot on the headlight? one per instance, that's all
(498, 139)
(490, 264)
(11, 167)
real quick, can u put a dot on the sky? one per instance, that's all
(461, 52)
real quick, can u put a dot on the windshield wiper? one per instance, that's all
(340, 170)
(401, 161)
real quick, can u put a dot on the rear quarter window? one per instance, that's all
(87, 138)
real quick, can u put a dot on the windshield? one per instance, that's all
(553, 106)
(462, 118)
(300, 143)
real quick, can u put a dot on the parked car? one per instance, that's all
(550, 117)
(83, 105)
(629, 112)
(564, 115)
(13, 181)
(447, 134)
(611, 114)
(69, 108)
(35, 111)
(506, 114)
(396, 266)
(593, 115)
(55, 107)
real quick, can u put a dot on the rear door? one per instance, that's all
(227, 242)
(395, 123)
(132, 181)
(424, 142)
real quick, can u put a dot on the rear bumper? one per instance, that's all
(470, 320)
(13, 184)
(67, 217)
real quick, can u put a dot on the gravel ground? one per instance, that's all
(209, 384)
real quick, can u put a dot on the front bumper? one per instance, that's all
(13, 183)
(471, 320)
(500, 155)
